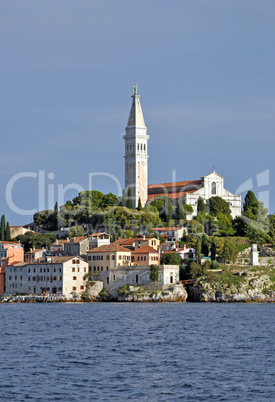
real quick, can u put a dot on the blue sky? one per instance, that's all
(205, 72)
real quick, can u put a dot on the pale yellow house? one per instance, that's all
(104, 258)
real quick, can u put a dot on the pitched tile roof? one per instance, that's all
(109, 248)
(145, 250)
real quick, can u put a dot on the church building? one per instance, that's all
(209, 186)
(136, 172)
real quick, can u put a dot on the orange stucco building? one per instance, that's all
(10, 253)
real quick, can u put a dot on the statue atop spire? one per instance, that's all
(135, 89)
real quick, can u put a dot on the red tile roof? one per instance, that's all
(127, 242)
(145, 250)
(109, 248)
(174, 184)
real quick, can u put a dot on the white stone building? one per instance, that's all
(136, 275)
(64, 275)
(136, 157)
(209, 186)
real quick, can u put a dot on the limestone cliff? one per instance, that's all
(257, 285)
(173, 293)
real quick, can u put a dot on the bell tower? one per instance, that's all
(136, 157)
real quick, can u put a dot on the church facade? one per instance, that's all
(136, 172)
(209, 186)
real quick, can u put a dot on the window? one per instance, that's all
(73, 269)
(74, 278)
(94, 257)
(107, 257)
(85, 269)
(21, 278)
(89, 258)
(78, 269)
(136, 278)
(84, 278)
(101, 257)
(107, 268)
(74, 287)
(15, 278)
(213, 188)
(113, 257)
(54, 270)
(107, 280)
(82, 287)
(114, 277)
(101, 268)
(40, 269)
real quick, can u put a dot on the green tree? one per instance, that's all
(229, 251)
(171, 259)
(224, 224)
(196, 270)
(154, 275)
(205, 245)
(76, 231)
(139, 208)
(3, 228)
(198, 250)
(8, 232)
(250, 206)
(201, 206)
(213, 249)
(218, 205)
(129, 203)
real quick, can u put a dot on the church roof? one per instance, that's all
(136, 115)
(213, 171)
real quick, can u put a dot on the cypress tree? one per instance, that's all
(204, 245)
(3, 228)
(198, 250)
(129, 203)
(201, 206)
(213, 249)
(8, 232)
(139, 208)
(124, 198)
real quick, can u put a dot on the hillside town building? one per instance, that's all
(64, 275)
(136, 172)
(209, 186)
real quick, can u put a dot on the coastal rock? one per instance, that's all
(251, 290)
(175, 293)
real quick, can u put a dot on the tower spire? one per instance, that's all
(136, 158)
(136, 115)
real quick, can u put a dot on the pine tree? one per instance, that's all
(129, 203)
(8, 232)
(3, 228)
